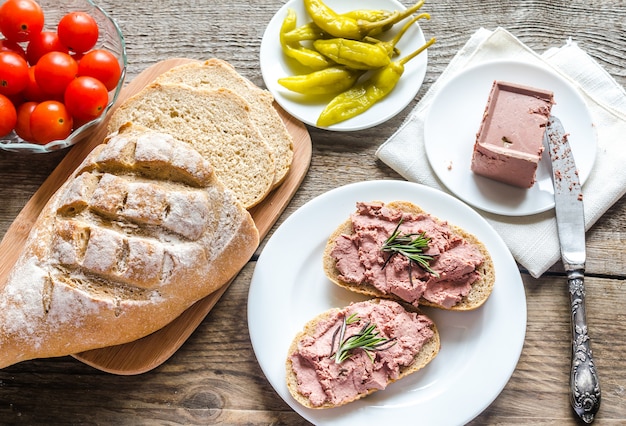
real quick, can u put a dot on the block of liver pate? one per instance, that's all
(509, 142)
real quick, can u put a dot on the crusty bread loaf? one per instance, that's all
(480, 290)
(216, 123)
(137, 234)
(215, 74)
(426, 354)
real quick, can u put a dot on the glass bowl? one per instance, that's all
(110, 38)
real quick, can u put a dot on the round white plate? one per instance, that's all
(479, 349)
(274, 65)
(454, 119)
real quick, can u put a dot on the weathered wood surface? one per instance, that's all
(214, 377)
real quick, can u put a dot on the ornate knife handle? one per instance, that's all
(584, 382)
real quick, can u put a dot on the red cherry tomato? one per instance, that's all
(22, 127)
(42, 43)
(20, 19)
(103, 65)
(8, 116)
(54, 71)
(78, 31)
(13, 73)
(11, 46)
(86, 98)
(33, 92)
(50, 121)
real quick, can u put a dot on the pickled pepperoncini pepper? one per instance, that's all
(364, 95)
(345, 26)
(328, 81)
(307, 57)
(309, 31)
(355, 54)
(361, 55)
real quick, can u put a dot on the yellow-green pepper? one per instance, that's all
(364, 95)
(363, 55)
(345, 26)
(328, 81)
(309, 31)
(355, 54)
(307, 57)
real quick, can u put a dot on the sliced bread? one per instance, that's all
(217, 123)
(216, 73)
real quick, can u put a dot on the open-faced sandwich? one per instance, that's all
(398, 251)
(345, 354)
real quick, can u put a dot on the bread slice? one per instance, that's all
(480, 290)
(217, 124)
(138, 233)
(425, 355)
(216, 73)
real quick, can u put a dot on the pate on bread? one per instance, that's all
(320, 374)
(461, 275)
(138, 233)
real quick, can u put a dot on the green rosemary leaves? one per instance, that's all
(411, 246)
(367, 339)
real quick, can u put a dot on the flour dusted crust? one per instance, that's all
(139, 232)
(480, 292)
(215, 74)
(427, 353)
(217, 123)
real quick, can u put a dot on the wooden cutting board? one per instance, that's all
(151, 351)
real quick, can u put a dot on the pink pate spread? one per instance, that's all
(360, 260)
(509, 142)
(322, 380)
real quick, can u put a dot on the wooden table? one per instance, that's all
(214, 377)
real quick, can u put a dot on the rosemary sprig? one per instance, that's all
(409, 245)
(367, 339)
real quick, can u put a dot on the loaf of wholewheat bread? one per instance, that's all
(215, 74)
(447, 233)
(316, 380)
(137, 234)
(217, 123)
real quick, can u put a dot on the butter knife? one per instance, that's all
(568, 199)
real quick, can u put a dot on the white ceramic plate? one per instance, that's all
(274, 65)
(454, 119)
(479, 349)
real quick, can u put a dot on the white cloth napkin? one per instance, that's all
(533, 240)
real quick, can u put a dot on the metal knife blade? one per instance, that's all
(568, 201)
(568, 197)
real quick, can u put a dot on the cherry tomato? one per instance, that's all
(103, 65)
(22, 127)
(12, 46)
(50, 121)
(8, 116)
(86, 98)
(42, 43)
(54, 71)
(20, 19)
(33, 92)
(13, 73)
(78, 31)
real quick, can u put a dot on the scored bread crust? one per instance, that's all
(480, 290)
(427, 353)
(137, 234)
(216, 73)
(217, 123)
